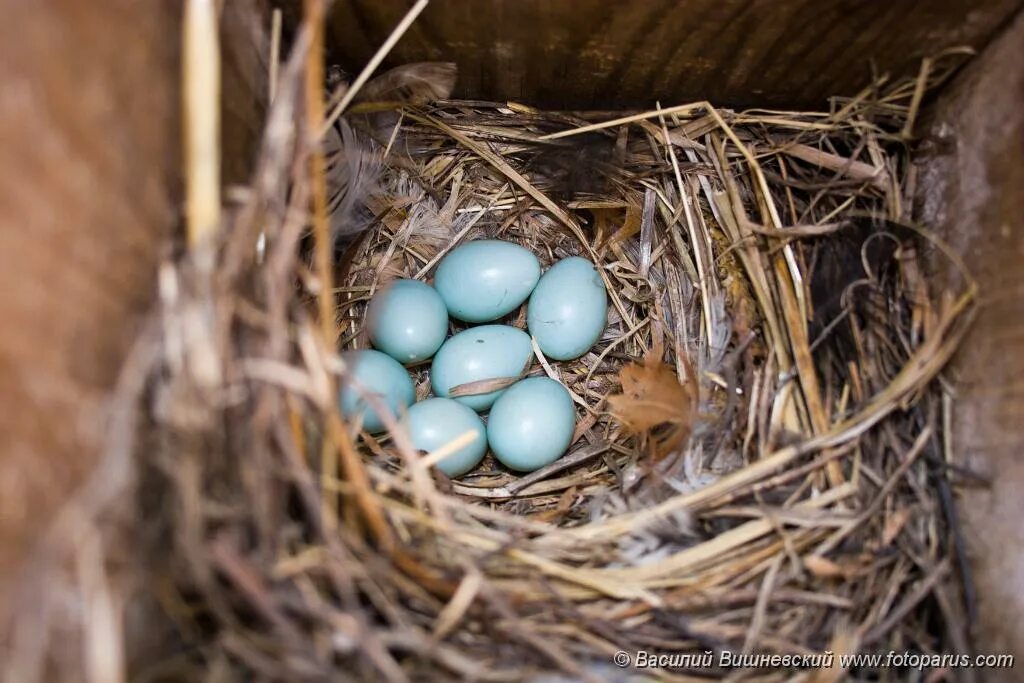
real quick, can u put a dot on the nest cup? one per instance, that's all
(758, 465)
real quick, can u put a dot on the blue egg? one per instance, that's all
(379, 375)
(568, 310)
(437, 421)
(407, 320)
(486, 279)
(531, 424)
(476, 354)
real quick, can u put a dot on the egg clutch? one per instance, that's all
(481, 369)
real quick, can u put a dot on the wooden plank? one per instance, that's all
(595, 54)
(89, 194)
(972, 192)
(88, 128)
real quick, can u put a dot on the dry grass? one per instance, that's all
(772, 252)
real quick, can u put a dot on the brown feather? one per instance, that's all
(416, 84)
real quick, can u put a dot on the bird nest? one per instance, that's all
(760, 463)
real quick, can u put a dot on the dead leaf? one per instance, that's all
(631, 224)
(606, 221)
(653, 403)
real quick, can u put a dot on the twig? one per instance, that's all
(324, 250)
(681, 109)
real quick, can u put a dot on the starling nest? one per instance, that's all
(760, 462)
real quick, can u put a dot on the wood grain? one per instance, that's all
(88, 129)
(972, 191)
(595, 54)
(90, 192)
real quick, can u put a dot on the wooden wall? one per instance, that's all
(89, 142)
(601, 54)
(90, 190)
(972, 192)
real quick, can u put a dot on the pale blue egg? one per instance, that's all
(476, 354)
(407, 320)
(379, 375)
(568, 310)
(486, 279)
(531, 424)
(437, 421)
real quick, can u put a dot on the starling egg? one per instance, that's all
(379, 375)
(407, 320)
(486, 279)
(477, 354)
(438, 421)
(531, 424)
(568, 310)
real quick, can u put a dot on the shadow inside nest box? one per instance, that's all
(585, 165)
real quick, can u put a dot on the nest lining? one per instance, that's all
(764, 262)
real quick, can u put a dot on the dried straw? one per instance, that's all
(764, 263)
